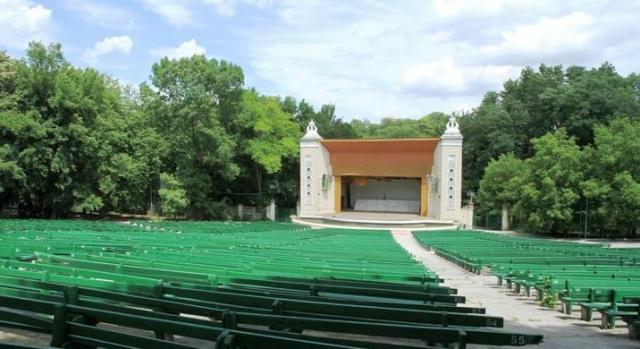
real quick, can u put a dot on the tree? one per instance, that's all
(501, 183)
(613, 186)
(173, 195)
(431, 125)
(272, 134)
(10, 171)
(541, 101)
(52, 134)
(129, 152)
(489, 131)
(329, 125)
(589, 98)
(551, 184)
(69, 138)
(531, 116)
(195, 107)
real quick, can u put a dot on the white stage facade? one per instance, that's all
(382, 183)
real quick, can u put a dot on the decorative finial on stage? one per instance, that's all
(452, 127)
(312, 132)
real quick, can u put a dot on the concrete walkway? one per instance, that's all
(520, 313)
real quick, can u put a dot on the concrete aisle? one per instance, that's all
(519, 312)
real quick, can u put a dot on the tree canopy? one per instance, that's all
(576, 130)
(552, 146)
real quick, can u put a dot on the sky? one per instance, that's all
(371, 59)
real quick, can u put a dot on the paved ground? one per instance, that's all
(520, 313)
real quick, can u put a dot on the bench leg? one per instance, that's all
(633, 331)
(586, 314)
(605, 322)
(612, 322)
(567, 307)
(527, 290)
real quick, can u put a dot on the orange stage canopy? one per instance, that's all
(410, 158)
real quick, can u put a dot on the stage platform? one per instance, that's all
(373, 220)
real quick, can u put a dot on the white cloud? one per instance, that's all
(104, 15)
(547, 38)
(108, 45)
(22, 21)
(375, 59)
(228, 8)
(186, 49)
(457, 8)
(404, 58)
(446, 79)
(174, 11)
(225, 8)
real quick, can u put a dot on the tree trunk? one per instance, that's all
(197, 213)
(258, 177)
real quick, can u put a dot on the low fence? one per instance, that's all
(246, 213)
(258, 213)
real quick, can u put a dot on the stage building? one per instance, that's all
(395, 183)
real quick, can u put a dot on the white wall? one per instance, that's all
(466, 217)
(450, 159)
(322, 201)
(326, 198)
(435, 189)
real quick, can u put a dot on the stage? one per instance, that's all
(373, 220)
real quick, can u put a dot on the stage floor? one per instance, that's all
(378, 216)
(374, 220)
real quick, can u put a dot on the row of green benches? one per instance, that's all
(604, 293)
(77, 310)
(484, 250)
(241, 287)
(341, 302)
(305, 253)
(592, 276)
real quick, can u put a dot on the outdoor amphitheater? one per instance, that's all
(87, 284)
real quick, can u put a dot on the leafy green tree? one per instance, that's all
(272, 134)
(396, 128)
(551, 184)
(195, 107)
(531, 116)
(173, 195)
(588, 98)
(431, 125)
(613, 186)
(540, 101)
(489, 131)
(129, 151)
(69, 138)
(501, 183)
(330, 126)
(10, 172)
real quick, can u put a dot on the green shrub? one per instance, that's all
(549, 300)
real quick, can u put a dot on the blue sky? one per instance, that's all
(370, 58)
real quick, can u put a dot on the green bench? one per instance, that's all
(604, 299)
